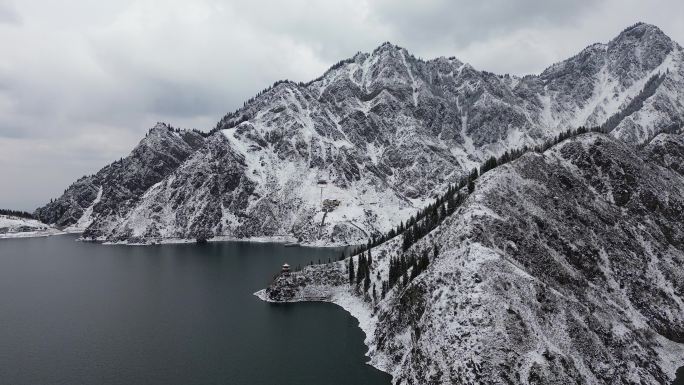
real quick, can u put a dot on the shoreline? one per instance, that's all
(355, 307)
(284, 240)
(32, 234)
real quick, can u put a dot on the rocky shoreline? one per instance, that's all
(325, 283)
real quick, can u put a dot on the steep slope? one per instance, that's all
(561, 267)
(113, 190)
(245, 192)
(604, 78)
(380, 133)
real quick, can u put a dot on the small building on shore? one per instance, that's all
(286, 269)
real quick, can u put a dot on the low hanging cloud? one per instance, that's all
(81, 81)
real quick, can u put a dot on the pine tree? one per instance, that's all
(361, 268)
(351, 271)
(370, 259)
(473, 175)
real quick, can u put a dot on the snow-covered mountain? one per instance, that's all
(367, 144)
(559, 268)
(102, 198)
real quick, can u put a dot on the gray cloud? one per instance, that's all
(81, 81)
(8, 13)
(461, 23)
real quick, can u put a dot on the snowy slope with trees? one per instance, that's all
(348, 155)
(558, 267)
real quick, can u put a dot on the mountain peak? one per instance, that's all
(641, 26)
(642, 32)
(387, 46)
(637, 50)
(160, 127)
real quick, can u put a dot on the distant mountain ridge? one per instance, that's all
(379, 133)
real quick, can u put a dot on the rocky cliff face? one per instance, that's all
(377, 135)
(562, 267)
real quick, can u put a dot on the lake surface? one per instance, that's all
(84, 313)
(680, 377)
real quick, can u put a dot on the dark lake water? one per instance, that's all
(680, 377)
(83, 313)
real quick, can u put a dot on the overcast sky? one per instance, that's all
(81, 81)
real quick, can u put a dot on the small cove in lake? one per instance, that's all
(75, 312)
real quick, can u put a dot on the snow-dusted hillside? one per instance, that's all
(376, 136)
(100, 199)
(562, 267)
(17, 227)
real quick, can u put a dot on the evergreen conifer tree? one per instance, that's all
(351, 270)
(370, 259)
(361, 268)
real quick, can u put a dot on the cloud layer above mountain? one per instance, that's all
(81, 81)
